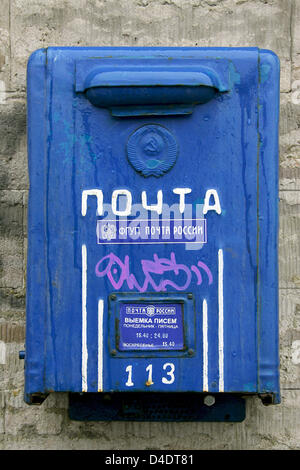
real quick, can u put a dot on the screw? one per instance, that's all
(113, 352)
(113, 297)
(209, 400)
(190, 296)
(190, 352)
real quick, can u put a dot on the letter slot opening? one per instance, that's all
(152, 89)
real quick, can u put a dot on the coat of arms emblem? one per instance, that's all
(152, 150)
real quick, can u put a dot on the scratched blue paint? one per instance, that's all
(265, 70)
(227, 143)
(234, 75)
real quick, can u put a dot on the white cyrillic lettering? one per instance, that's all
(114, 198)
(92, 192)
(216, 206)
(182, 192)
(155, 207)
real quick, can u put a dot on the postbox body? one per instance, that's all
(152, 237)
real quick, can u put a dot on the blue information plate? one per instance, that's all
(141, 231)
(155, 326)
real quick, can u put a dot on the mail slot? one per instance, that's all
(152, 231)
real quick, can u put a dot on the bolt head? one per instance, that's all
(209, 400)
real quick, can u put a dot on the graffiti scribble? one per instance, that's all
(158, 266)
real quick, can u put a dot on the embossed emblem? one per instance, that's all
(152, 150)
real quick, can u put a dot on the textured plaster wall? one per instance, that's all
(26, 25)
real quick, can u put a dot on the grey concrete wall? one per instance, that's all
(26, 25)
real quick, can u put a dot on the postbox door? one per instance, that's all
(151, 253)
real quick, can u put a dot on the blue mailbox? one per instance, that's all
(152, 235)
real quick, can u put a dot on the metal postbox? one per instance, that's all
(152, 237)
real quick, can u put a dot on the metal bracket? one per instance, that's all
(151, 406)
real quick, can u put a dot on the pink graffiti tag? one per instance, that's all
(149, 267)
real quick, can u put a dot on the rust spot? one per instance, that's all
(148, 383)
